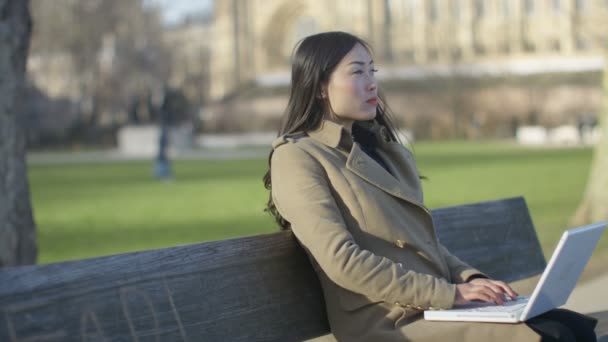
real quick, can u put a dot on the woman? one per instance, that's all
(350, 192)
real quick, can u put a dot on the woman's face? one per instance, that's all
(352, 90)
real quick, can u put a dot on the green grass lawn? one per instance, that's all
(98, 209)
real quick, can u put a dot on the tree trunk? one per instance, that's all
(594, 206)
(17, 229)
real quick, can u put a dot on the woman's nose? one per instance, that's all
(372, 84)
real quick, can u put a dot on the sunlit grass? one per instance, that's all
(551, 180)
(85, 210)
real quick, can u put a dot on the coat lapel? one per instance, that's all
(367, 168)
(398, 184)
(364, 166)
(403, 167)
(395, 184)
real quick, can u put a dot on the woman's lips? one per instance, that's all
(373, 101)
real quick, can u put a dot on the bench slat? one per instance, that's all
(497, 237)
(247, 289)
(253, 288)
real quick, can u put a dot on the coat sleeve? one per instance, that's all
(301, 193)
(459, 270)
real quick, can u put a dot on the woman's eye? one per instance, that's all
(359, 72)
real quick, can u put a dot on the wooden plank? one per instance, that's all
(246, 289)
(497, 237)
(250, 289)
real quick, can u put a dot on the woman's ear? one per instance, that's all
(323, 92)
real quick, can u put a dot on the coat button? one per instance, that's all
(400, 243)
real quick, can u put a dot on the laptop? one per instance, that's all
(553, 289)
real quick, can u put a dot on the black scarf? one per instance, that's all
(368, 142)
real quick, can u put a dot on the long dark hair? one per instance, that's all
(314, 60)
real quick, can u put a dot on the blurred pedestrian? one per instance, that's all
(162, 165)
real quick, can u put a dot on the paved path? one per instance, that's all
(590, 296)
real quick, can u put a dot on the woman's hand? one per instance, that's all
(485, 290)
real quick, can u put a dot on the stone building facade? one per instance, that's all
(253, 39)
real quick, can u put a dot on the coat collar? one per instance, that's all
(402, 181)
(398, 184)
(335, 135)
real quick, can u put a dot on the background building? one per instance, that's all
(452, 42)
(254, 38)
(467, 68)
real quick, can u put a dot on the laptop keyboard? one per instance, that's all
(510, 306)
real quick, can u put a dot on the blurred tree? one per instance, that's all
(17, 228)
(115, 47)
(594, 206)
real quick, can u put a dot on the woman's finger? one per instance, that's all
(507, 289)
(496, 288)
(481, 296)
(493, 296)
(499, 297)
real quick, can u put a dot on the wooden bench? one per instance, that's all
(259, 288)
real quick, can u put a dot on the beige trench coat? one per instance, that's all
(371, 240)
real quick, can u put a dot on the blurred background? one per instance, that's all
(498, 98)
(450, 68)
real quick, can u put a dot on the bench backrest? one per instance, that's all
(246, 289)
(496, 237)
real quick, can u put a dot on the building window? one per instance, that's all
(410, 8)
(456, 53)
(455, 8)
(581, 44)
(580, 5)
(529, 6)
(388, 19)
(557, 6)
(398, 6)
(506, 7)
(434, 10)
(480, 8)
(409, 55)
